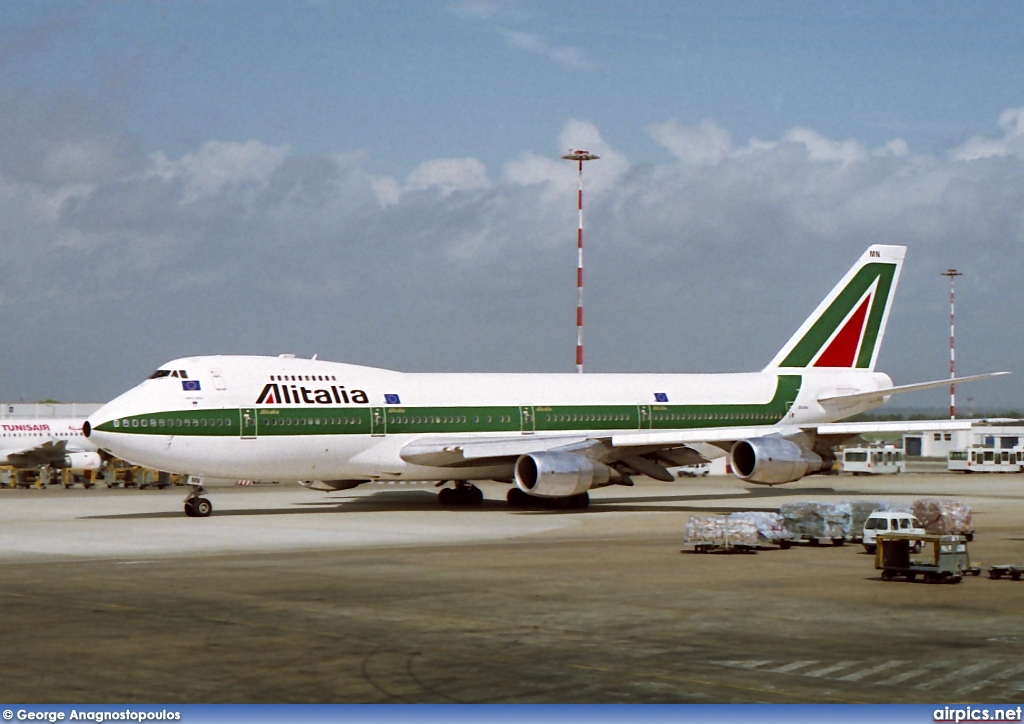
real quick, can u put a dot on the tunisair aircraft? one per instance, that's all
(56, 443)
(552, 436)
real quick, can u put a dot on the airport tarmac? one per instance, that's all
(380, 595)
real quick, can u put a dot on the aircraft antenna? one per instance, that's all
(952, 274)
(579, 156)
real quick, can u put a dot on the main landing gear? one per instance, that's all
(463, 493)
(196, 506)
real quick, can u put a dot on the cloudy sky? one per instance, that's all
(380, 183)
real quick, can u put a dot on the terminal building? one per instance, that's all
(47, 410)
(1002, 434)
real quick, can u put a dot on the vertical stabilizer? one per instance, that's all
(845, 331)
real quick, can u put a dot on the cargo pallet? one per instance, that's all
(811, 540)
(1007, 569)
(718, 546)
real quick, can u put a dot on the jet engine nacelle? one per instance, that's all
(774, 460)
(561, 474)
(79, 461)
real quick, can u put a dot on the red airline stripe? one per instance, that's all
(843, 349)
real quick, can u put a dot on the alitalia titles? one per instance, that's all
(289, 394)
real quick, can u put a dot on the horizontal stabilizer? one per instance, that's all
(881, 395)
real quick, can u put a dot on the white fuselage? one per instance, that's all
(270, 418)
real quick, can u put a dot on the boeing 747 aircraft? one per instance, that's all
(553, 436)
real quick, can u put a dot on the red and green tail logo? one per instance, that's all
(846, 329)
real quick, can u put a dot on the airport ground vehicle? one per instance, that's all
(987, 459)
(873, 460)
(890, 521)
(944, 558)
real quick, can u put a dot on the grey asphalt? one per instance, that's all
(380, 595)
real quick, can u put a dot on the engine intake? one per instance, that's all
(774, 460)
(561, 474)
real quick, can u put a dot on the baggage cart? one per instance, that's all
(1006, 569)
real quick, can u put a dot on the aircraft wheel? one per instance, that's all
(476, 496)
(190, 508)
(203, 508)
(446, 496)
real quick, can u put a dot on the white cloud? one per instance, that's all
(705, 260)
(217, 165)
(1010, 143)
(704, 143)
(448, 175)
(533, 43)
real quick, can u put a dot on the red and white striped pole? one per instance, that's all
(952, 273)
(579, 157)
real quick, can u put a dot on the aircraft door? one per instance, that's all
(248, 422)
(378, 421)
(645, 416)
(526, 420)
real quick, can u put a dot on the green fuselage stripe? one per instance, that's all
(398, 420)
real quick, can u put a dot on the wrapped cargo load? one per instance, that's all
(944, 516)
(749, 529)
(769, 527)
(705, 529)
(817, 520)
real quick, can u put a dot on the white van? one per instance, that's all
(890, 521)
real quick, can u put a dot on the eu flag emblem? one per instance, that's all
(190, 385)
(392, 400)
(660, 397)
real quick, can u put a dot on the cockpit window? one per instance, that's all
(169, 373)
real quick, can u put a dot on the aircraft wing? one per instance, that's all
(456, 452)
(650, 452)
(644, 451)
(38, 456)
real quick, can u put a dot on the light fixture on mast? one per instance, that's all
(952, 274)
(580, 156)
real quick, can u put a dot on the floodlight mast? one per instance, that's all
(952, 274)
(579, 156)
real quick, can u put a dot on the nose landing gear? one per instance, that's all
(195, 505)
